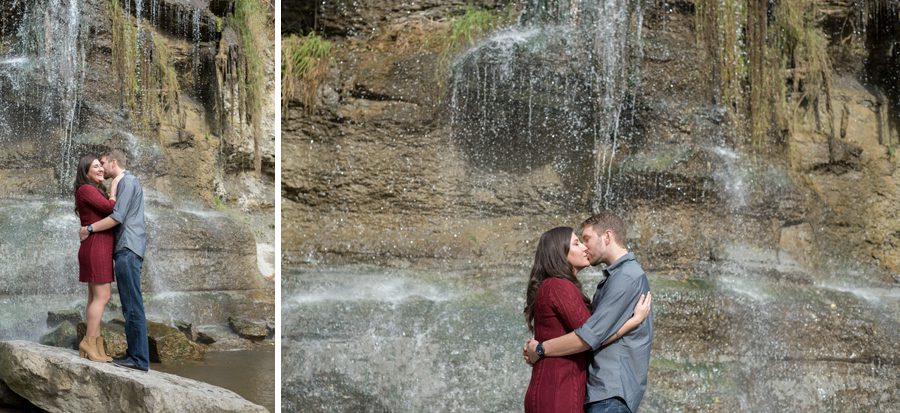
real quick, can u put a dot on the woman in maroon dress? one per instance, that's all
(95, 256)
(555, 306)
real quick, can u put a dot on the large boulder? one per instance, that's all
(58, 380)
(10, 398)
(65, 335)
(55, 318)
(251, 330)
(113, 337)
(167, 344)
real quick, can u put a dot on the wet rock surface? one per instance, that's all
(251, 330)
(58, 380)
(65, 335)
(55, 318)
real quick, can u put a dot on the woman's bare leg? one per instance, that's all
(98, 297)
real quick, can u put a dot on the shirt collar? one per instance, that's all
(629, 256)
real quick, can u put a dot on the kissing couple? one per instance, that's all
(588, 355)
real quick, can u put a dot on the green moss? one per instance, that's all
(162, 81)
(147, 79)
(219, 203)
(800, 51)
(469, 28)
(658, 161)
(777, 52)
(304, 66)
(250, 21)
(687, 285)
(463, 32)
(720, 27)
(124, 55)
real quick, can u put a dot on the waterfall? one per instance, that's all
(195, 49)
(44, 65)
(551, 90)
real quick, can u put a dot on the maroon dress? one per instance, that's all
(95, 257)
(558, 383)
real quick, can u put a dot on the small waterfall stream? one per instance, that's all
(45, 65)
(551, 89)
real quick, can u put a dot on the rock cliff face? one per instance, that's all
(732, 238)
(185, 88)
(379, 150)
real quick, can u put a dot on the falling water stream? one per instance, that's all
(46, 66)
(551, 89)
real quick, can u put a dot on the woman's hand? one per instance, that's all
(642, 309)
(114, 186)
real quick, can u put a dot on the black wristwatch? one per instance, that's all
(90, 228)
(540, 350)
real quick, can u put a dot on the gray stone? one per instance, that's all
(55, 318)
(187, 328)
(59, 381)
(251, 330)
(204, 338)
(65, 335)
(167, 344)
(114, 339)
(224, 338)
(10, 398)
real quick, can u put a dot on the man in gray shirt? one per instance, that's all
(617, 375)
(131, 243)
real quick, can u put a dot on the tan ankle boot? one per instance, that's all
(88, 349)
(101, 350)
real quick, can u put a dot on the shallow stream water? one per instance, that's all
(249, 373)
(740, 336)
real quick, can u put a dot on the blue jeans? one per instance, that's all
(128, 281)
(613, 405)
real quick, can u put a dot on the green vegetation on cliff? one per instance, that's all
(780, 60)
(463, 32)
(249, 20)
(147, 79)
(771, 62)
(472, 26)
(304, 66)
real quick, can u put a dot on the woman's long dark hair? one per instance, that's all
(550, 261)
(81, 175)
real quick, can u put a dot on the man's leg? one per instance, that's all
(613, 405)
(128, 280)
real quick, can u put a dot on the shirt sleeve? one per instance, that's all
(95, 200)
(568, 304)
(617, 301)
(124, 194)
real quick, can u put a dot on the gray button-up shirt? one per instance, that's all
(619, 369)
(131, 232)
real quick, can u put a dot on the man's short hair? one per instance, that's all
(117, 155)
(607, 220)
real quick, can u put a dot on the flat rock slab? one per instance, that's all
(57, 380)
